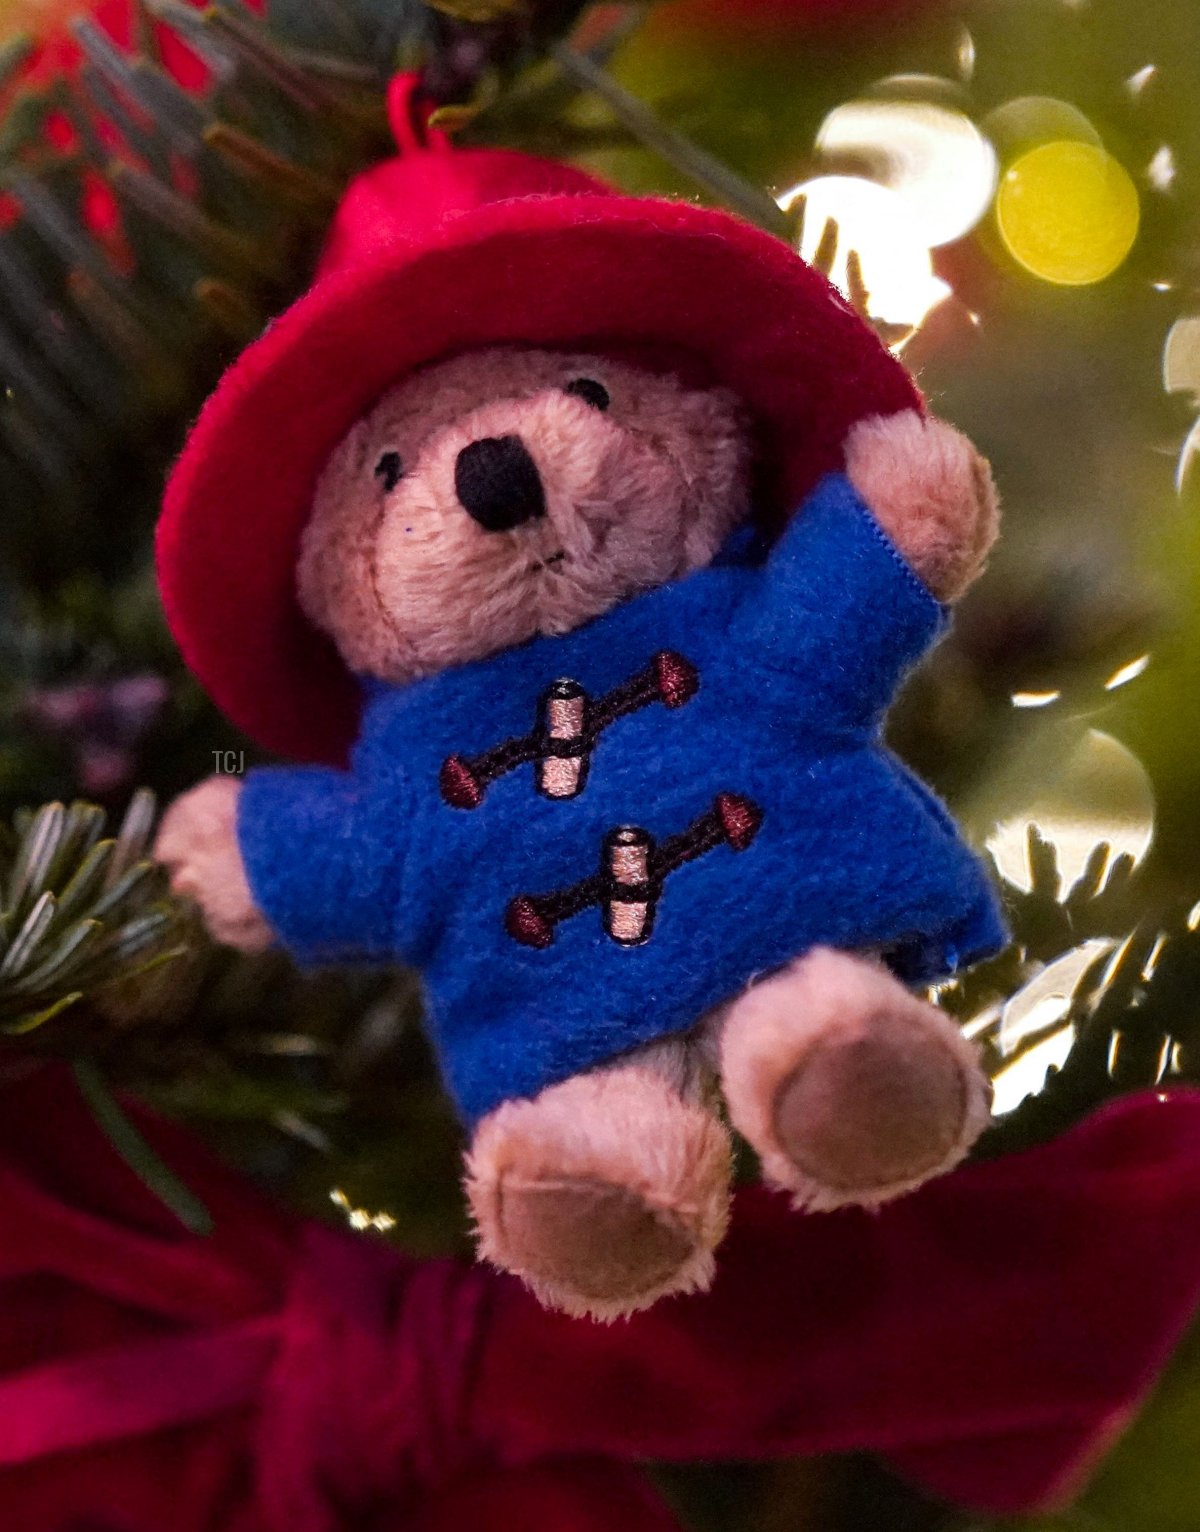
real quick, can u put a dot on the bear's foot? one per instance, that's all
(850, 1088)
(605, 1192)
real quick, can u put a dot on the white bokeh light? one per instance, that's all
(1041, 1007)
(877, 223)
(932, 156)
(1099, 791)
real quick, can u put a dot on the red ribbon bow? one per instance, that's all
(990, 1334)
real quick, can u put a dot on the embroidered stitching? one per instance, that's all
(633, 870)
(568, 727)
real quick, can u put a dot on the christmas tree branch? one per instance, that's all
(1131, 1015)
(77, 911)
(114, 322)
(711, 174)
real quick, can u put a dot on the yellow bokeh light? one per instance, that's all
(1068, 212)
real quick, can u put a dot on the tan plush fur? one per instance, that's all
(851, 1089)
(608, 1191)
(645, 491)
(931, 492)
(197, 843)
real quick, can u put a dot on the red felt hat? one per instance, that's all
(437, 252)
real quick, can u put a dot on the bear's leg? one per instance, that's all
(609, 1190)
(850, 1088)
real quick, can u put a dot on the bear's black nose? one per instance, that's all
(498, 483)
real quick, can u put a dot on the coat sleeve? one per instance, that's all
(837, 610)
(324, 864)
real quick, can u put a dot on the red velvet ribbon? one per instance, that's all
(991, 1335)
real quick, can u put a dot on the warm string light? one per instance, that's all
(1127, 672)
(1162, 170)
(359, 1218)
(1122, 676)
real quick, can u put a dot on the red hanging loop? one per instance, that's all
(409, 114)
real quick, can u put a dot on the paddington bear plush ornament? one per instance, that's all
(577, 543)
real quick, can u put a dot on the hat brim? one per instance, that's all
(552, 271)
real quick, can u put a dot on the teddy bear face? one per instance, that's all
(507, 493)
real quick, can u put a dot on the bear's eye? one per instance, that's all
(590, 392)
(389, 470)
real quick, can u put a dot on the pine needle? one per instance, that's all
(153, 1173)
(78, 912)
(706, 170)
